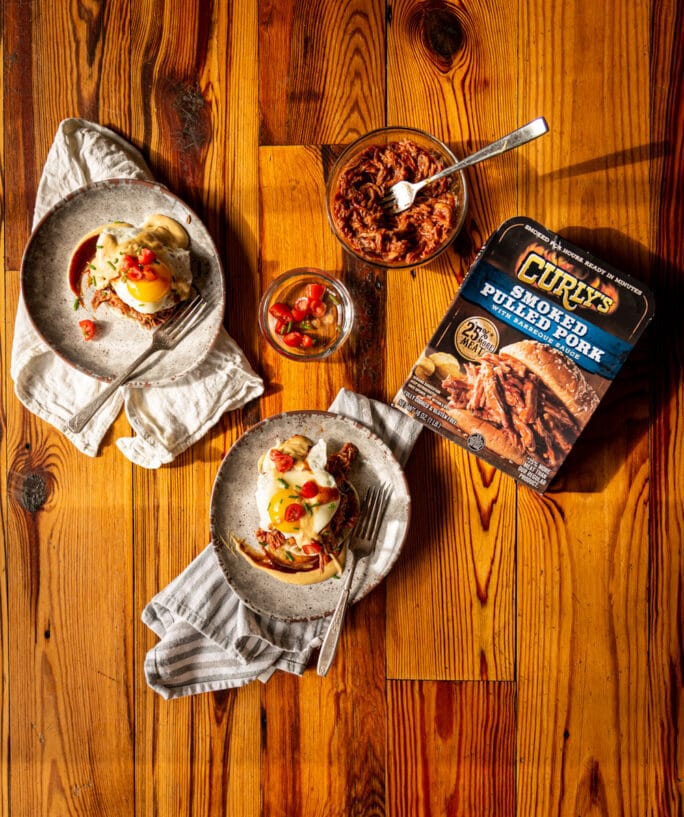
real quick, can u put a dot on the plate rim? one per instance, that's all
(219, 547)
(121, 183)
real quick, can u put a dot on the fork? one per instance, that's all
(401, 195)
(164, 337)
(363, 541)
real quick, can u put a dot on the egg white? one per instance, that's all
(272, 485)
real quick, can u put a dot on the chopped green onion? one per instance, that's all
(77, 303)
(283, 482)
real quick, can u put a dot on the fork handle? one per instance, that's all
(518, 137)
(78, 421)
(332, 637)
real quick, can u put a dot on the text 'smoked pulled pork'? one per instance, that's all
(525, 352)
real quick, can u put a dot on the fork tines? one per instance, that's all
(389, 202)
(373, 510)
(186, 315)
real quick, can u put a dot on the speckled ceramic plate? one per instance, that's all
(233, 510)
(50, 301)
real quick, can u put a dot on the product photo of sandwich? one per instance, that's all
(529, 400)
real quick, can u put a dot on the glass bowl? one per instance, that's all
(361, 176)
(306, 314)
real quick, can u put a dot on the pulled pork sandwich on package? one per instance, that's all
(536, 335)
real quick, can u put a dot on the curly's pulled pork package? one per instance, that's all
(537, 333)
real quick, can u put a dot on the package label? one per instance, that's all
(520, 361)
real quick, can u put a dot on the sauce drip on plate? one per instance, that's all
(78, 264)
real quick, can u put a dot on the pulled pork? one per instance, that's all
(504, 392)
(146, 321)
(407, 237)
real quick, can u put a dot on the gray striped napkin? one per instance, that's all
(209, 640)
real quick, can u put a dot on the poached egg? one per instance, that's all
(295, 494)
(148, 266)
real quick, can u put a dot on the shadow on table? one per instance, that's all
(645, 383)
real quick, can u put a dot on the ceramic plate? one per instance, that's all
(233, 510)
(50, 301)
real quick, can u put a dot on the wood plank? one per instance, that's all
(71, 566)
(4, 578)
(582, 550)
(451, 748)
(199, 756)
(450, 595)
(462, 541)
(61, 508)
(324, 738)
(665, 672)
(295, 233)
(322, 70)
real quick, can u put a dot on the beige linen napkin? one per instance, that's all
(209, 640)
(166, 419)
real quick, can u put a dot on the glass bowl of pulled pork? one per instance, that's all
(363, 175)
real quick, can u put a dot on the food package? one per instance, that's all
(537, 333)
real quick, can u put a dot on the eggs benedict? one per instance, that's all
(307, 508)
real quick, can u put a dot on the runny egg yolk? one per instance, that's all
(280, 500)
(148, 289)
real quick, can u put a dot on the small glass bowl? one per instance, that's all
(382, 137)
(327, 330)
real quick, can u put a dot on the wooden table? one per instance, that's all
(525, 655)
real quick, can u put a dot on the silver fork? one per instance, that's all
(402, 194)
(164, 337)
(363, 541)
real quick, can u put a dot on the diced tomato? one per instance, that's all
(283, 462)
(309, 489)
(294, 339)
(88, 329)
(129, 262)
(317, 308)
(307, 341)
(301, 308)
(315, 292)
(293, 512)
(311, 548)
(149, 274)
(146, 256)
(282, 327)
(134, 274)
(281, 312)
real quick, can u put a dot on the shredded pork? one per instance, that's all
(502, 391)
(407, 237)
(146, 321)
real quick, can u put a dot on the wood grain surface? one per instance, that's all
(524, 657)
